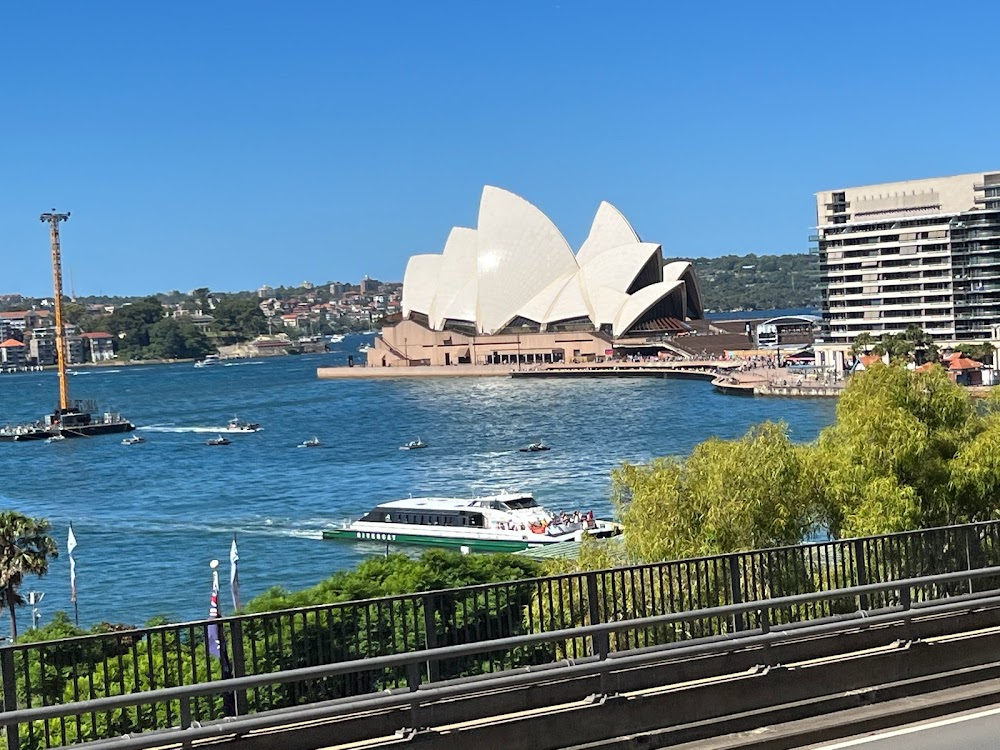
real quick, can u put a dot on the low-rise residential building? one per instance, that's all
(19, 320)
(99, 346)
(42, 346)
(12, 354)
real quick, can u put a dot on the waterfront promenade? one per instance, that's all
(705, 369)
(728, 376)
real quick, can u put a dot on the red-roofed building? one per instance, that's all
(17, 321)
(12, 354)
(865, 361)
(100, 345)
(965, 371)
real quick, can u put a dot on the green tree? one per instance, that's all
(979, 352)
(134, 321)
(171, 339)
(25, 549)
(924, 348)
(73, 312)
(399, 574)
(863, 343)
(886, 463)
(728, 495)
(200, 297)
(239, 318)
(896, 345)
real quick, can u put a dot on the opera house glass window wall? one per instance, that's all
(512, 290)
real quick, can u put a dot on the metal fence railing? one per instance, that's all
(20, 724)
(130, 661)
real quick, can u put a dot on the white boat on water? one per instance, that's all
(496, 523)
(365, 348)
(211, 359)
(133, 440)
(335, 338)
(311, 443)
(239, 425)
(413, 445)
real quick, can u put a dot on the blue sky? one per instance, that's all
(230, 144)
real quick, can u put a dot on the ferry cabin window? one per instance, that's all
(519, 503)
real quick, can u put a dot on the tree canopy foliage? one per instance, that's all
(239, 318)
(25, 549)
(142, 332)
(912, 344)
(398, 574)
(907, 450)
(758, 282)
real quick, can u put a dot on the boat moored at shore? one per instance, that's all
(496, 523)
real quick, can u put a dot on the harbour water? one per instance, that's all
(148, 518)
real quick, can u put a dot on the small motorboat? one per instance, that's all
(238, 425)
(133, 440)
(413, 445)
(534, 447)
(55, 438)
(313, 443)
(218, 441)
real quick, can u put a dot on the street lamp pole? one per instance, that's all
(34, 599)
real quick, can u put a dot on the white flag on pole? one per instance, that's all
(234, 574)
(70, 546)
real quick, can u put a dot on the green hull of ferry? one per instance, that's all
(476, 545)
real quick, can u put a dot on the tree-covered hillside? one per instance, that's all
(758, 282)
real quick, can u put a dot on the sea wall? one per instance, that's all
(377, 373)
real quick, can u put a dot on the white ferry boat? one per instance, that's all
(497, 523)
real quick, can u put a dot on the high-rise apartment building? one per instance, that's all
(924, 252)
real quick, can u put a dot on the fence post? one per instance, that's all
(969, 530)
(413, 680)
(861, 566)
(10, 695)
(736, 590)
(239, 664)
(430, 635)
(593, 600)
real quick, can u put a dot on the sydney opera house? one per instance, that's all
(512, 290)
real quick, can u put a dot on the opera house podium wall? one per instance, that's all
(512, 290)
(408, 343)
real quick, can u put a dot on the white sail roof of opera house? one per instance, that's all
(515, 269)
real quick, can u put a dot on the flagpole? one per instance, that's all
(217, 641)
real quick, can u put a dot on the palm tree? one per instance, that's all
(25, 549)
(862, 343)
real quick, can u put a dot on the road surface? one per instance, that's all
(971, 730)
